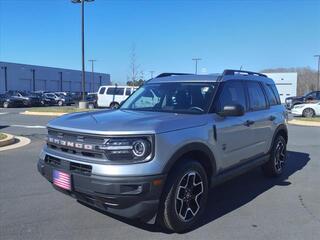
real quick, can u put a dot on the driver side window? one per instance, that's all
(232, 93)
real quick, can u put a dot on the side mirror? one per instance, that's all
(232, 110)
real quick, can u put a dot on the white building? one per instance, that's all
(23, 77)
(286, 84)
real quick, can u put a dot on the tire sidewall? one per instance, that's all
(273, 155)
(171, 218)
(309, 109)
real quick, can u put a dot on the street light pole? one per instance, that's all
(196, 61)
(82, 46)
(92, 73)
(318, 56)
(33, 79)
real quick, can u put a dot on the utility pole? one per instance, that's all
(5, 68)
(100, 80)
(61, 84)
(318, 56)
(33, 79)
(196, 61)
(151, 74)
(82, 50)
(92, 73)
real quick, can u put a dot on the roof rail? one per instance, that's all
(234, 72)
(171, 74)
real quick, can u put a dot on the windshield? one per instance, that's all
(172, 97)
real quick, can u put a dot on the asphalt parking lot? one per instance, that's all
(248, 207)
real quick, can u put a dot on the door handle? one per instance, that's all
(272, 118)
(248, 123)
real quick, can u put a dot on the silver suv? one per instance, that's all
(158, 154)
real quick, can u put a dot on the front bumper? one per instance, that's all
(129, 197)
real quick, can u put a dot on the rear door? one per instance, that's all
(260, 117)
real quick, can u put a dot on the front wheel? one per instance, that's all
(60, 103)
(184, 197)
(274, 167)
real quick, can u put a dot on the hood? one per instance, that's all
(126, 122)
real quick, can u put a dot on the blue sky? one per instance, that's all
(167, 34)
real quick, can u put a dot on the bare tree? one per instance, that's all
(134, 68)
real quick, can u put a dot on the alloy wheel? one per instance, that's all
(280, 155)
(188, 196)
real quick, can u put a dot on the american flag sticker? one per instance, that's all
(62, 179)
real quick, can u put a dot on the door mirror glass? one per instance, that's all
(232, 110)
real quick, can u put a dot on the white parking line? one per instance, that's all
(27, 126)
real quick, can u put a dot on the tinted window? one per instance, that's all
(172, 97)
(115, 91)
(272, 98)
(102, 90)
(128, 91)
(257, 99)
(276, 93)
(232, 93)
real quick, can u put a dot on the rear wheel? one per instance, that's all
(114, 105)
(274, 167)
(308, 112)
(184, 197)
(91, 106)
(60, 103)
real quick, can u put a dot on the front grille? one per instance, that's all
(73, 167)
(80, 139)
(52, 161)
(80, 168)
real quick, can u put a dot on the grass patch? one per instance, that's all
(313, 119)
(2, 136)
(58, 109)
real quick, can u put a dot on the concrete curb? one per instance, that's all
(19, 142)
(7, 141)
(50, 114)
(304, 123)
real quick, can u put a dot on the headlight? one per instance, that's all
(130, 149)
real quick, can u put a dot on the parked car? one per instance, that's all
(306, 109)
(112, 96)
(159, 158)
(59, 100)
(7, 101)
(309, 97)
(45, 101)
(92, 100)
(28, 99)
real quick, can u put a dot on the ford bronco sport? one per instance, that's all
(158, 154)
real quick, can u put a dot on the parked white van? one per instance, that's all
(112, 96)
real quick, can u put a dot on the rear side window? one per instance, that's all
(115, 91)
(272, 97)
(102, 90)
(232, 93)
(275, 91)
(128, 91)
(257, 100)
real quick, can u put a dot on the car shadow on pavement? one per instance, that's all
(235, 193)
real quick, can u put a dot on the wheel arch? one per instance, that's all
(196, 151)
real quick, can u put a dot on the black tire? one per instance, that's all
(178, 200)
(5, 104)
(114, 105)
(308, 112)
(278, 155)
